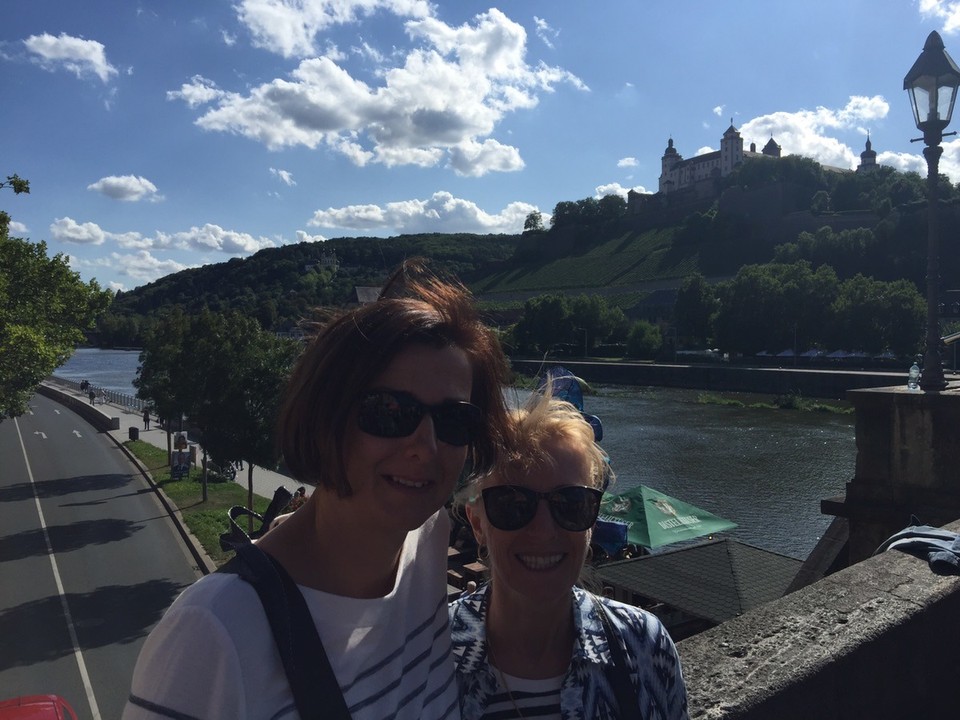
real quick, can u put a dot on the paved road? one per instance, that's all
(89, 561)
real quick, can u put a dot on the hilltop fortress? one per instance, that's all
(693, 184)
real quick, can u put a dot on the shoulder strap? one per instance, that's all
(623, 688)
(315, 689)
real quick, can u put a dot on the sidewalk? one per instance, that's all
(265, 482)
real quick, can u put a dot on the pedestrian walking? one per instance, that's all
(93, 396)
(146, 419)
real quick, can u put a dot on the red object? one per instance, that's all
(36, 707)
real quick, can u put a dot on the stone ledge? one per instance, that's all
(91, 413)
(877, 640)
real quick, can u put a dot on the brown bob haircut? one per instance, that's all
(347, 353)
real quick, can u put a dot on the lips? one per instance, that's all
(540, 562)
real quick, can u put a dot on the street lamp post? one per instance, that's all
(932, 84)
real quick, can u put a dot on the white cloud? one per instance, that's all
(212, 237)
(440, 213)
(17, 229)
(442, 100)
(285, 177)
(303, 236)
(76, 55)
(718, 110)
(627, 162)
(946, 11)
(126, 187)
(67, 229)
(141, 267)
(199, 91)
(290, 28)
(618, 189)
(546, 33)
(808, 132)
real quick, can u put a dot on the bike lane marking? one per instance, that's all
(81, 665)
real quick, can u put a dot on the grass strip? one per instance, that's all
(205, 519)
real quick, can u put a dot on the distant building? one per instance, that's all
(868, 159)
(700, 173)
(364, 295)
(678, 174)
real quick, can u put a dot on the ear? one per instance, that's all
(473, 517)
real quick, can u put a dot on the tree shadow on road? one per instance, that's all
(64, 486)
(65, 538)
(36, 631)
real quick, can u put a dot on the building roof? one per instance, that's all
(366, 295)
(714, 580)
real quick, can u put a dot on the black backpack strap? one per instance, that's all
(316, 692)
(623, 687)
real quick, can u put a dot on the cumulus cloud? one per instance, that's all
(441, 100)
(627, 162)
(126, 187)
(718, 110)
(141, 267)
(67, 229)
(199, 91)
(440, 213)
(285, 177)
(208, 238)
(303, 236)
(17, 228)
(618, 189)
(81, 57)
(946, 12)
(290, 29)
(212, 237)
(808, 132)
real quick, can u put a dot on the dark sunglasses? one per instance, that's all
(511, 507)
(395, 414)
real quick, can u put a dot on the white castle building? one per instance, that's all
(678, 174)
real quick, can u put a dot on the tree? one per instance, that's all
(44, 310)
(16, 183)
(534, 222)
(693, 309)
(225, 373)
(644, 340)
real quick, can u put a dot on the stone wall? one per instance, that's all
(94, 414)
(877, 640)
(721, 377)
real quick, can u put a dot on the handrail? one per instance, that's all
(103, 395)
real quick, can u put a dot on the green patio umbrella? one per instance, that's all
(655, 519)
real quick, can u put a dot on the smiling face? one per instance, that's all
(400, 482)
(540, 562)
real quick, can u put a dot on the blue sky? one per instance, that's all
(158, 136)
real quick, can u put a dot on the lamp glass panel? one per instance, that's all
(946, 95)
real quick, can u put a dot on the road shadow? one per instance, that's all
(36, 631)
(62, 487)
(66, 538)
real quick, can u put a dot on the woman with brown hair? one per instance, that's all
(385, 407)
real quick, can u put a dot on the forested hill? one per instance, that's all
(782, 211)
(280, 285)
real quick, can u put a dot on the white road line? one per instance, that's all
(82, 666)
(77, 433)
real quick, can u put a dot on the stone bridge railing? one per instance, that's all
(878, 640)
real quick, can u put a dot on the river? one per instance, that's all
(765, 470)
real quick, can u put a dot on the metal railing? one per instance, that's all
(102, 395)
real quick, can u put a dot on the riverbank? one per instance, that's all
(827, 384)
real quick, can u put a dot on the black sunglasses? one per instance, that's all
(395, 414)
(511, 507)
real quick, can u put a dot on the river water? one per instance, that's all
(765, 470)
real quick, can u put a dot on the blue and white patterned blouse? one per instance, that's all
(586, 693)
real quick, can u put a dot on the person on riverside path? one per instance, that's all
(530, 643)
(383, 409)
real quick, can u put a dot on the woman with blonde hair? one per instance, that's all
(530, 643)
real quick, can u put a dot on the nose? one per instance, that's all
(543, 522)
(423, 441)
